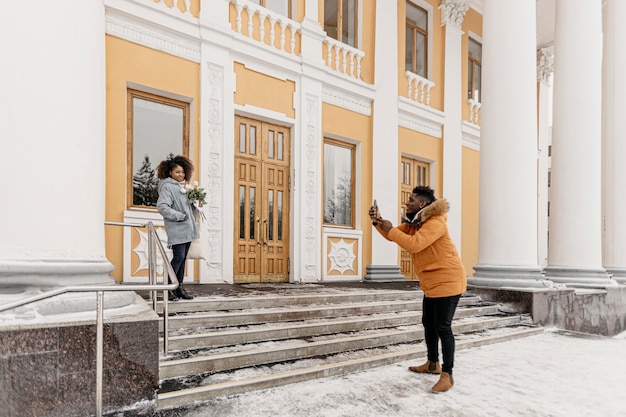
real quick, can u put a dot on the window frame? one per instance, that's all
(132, 93)
(472, 63)
(414, 30)
(353, 161)
(356, 5)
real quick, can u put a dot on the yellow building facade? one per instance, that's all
(279, 106)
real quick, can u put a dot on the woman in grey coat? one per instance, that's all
(178, 214)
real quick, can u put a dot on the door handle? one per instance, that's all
(258, 231)
(265, 236)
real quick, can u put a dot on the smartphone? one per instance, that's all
(374, 203)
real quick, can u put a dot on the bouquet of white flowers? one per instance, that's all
(195, 194)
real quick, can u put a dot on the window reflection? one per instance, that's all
(158, 129)
(338, 183)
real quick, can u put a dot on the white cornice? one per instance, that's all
(471, 136)
(136, 30)
(420, 118)
(346, 100)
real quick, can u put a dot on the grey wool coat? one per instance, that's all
(178, 214)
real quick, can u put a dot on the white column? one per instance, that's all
(545, 68)
(385, 157)
(507, 249)
(217, 84)
(452, 14)
(575, 247)
(614, 129)
(306, 263)
(52, 126)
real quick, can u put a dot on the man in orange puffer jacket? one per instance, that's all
(441, 274)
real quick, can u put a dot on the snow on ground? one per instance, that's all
(552, 374)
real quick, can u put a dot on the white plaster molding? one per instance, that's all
(143, 33)
(471, 136)
(420, 118)
(347, 100)
(453, 12)
(311, 187)
(342, 254)
(214, 138)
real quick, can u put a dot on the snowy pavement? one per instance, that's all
(552, 374)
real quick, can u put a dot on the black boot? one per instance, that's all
(183, 294)
(172, 295)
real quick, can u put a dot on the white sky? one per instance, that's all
(551, 374)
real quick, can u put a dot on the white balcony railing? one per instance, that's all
(419, 88)
(343, 58)
(269, 26)
(183, 6)
(474, 111)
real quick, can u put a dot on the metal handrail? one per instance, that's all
(153, 287)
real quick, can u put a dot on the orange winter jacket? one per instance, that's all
(437, 263)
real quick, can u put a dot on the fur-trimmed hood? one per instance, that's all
(436, 208)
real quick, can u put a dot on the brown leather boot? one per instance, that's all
(445, 383)
(427, 368)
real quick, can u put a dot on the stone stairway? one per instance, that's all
(228, 345)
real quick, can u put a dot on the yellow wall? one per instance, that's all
(127, 62)
(264, 91)
(469, 218)
(343, 123)
(420, 146)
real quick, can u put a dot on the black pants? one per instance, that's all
(178, 261)
(437, 320)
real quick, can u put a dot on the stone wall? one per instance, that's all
(52, 371)
(593, 311)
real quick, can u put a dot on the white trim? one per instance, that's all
(332, 232)
(420, 118)
(264, 115)
(158, 37)
(470, 135)
(346, 100)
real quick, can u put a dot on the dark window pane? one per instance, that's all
(270, 215)
(252, 207)
(280, 215)
(242, 212)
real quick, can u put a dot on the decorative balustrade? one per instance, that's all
(474, 111)
(419, 88)
(266, 26)
(343, 58)
(187, 7)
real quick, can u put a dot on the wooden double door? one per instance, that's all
(412, 174)
(262, 155)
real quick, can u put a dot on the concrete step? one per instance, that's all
(294, 330)
(242, 303)
(254, 314)
(294, 350)
(188, 396)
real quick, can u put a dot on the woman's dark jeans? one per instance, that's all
(178, 261)
(437, 317)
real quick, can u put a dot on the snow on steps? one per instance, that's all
(339, 333)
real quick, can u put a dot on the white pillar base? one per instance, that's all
(54, 272)
(508, 276)
(618, 274)
(579, 277)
